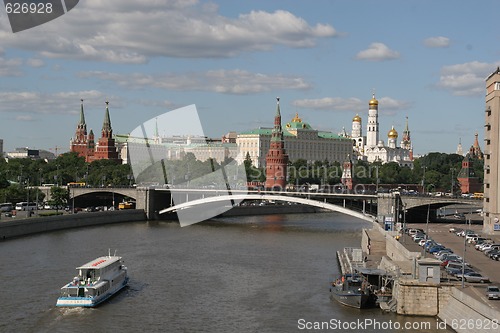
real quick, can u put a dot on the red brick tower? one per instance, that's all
(90, 146)
(79, 143)
(276, 158)
(469, 183)
(346, 179)
(106, 148)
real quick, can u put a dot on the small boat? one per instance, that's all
(352, 290)
(97, 281)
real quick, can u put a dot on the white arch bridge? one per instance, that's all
(241, 197)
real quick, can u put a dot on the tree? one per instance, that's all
(59, 196)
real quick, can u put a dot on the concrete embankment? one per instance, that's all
(17, 228)
(413, 295)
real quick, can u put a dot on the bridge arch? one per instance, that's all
(240, 197)
(80, 191)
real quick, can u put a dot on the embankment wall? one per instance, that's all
(22, 227)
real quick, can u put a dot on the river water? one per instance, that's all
(238, 274)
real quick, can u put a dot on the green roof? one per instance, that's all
(330, 135)
(293, 125)
(263, 131)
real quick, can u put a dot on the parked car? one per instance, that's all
(454, 267)
(493, 253)
(483, 246)
(436, 248)
(443, 251)
(471, 240)
(473, 277)
(455, 271)
(479, 240)
(493, 292)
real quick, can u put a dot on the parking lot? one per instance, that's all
(440, 233)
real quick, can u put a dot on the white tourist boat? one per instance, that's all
(97, 281)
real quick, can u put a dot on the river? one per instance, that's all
(238, 274)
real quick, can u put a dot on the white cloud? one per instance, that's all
(29, 102)
(387, 105)
(24, 118)
(129, 31)
(331, 103)
(10, 67)
(467, 79)
(33, 62)
(220, 81)
(377, 52)
(436, 42)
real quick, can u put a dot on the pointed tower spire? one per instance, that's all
(79, 143)
(82, 115)
(106, 125)
(277, 134)
(276, 158)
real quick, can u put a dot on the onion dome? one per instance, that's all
(356, 118)
(296, 119)
(393, 134)
(373, 101)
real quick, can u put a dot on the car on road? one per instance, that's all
(473, 277)
(435, 249)
(493, 292)
(455, 267)
(455, 271)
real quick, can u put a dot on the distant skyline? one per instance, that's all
(324, 59)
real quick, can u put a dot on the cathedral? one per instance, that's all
(84, 144)
(370, 148)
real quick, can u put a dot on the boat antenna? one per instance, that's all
(115, 253)
(109, 252)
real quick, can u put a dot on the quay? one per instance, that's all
(420, 287)
(34, 225)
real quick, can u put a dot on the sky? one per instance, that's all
(425, 60)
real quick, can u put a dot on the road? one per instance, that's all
(484, 265)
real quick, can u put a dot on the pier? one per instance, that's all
(419, 286)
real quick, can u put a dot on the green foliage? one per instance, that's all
(436, 171)
(59, 196)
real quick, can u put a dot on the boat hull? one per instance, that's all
(359, 301)
(89, 302)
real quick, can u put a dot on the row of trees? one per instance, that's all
(19, 176)
(436, 171)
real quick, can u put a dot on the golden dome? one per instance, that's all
(296, 119)
(393, 134)
(373, 101)
(356, 118)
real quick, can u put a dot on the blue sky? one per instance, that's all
(424, 59)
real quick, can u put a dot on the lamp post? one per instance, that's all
(404, 221)
(452, 182)
(427, 228)
(423, 180)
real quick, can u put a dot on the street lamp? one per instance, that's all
(423, 180)
(452, 181)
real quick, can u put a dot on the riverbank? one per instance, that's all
(417, 293)
(22, 227)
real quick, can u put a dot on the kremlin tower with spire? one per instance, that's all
(276, 158)
(84, 143)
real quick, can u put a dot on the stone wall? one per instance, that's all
(418, 298)
(22, 227)
(464, 313)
